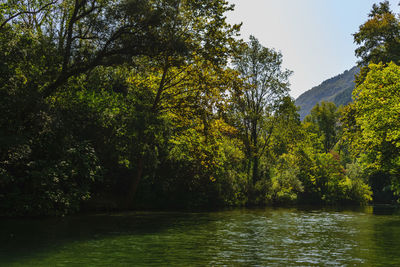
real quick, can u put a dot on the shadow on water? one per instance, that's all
(20, 238)
(306, 235)
(386, 210)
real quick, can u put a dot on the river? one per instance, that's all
(242, 237)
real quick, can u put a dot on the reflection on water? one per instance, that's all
(239, 237)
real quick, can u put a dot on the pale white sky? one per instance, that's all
(314, 36)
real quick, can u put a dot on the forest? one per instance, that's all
(160, 104)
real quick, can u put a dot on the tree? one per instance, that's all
(267, 85)
(192, 98)
(324, 117)
(77, 36)
(376, 114)
(208, 41)
(378, 39)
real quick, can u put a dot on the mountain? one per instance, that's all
(337, 90)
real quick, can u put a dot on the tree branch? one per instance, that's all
(3, 24)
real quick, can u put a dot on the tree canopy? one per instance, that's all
(138, 104)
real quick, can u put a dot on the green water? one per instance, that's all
(262, 237)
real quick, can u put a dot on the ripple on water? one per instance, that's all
(273, 237)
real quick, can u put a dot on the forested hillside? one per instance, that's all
(337, 90)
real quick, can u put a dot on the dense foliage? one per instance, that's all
(371, 124)
(373, 127)
(156, 104)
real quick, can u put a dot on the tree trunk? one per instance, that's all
(255, 169)
(135, 182)
(255, 151)
(139, 171)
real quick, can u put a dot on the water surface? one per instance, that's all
(245, 237)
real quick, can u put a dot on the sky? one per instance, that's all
(314, 36)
